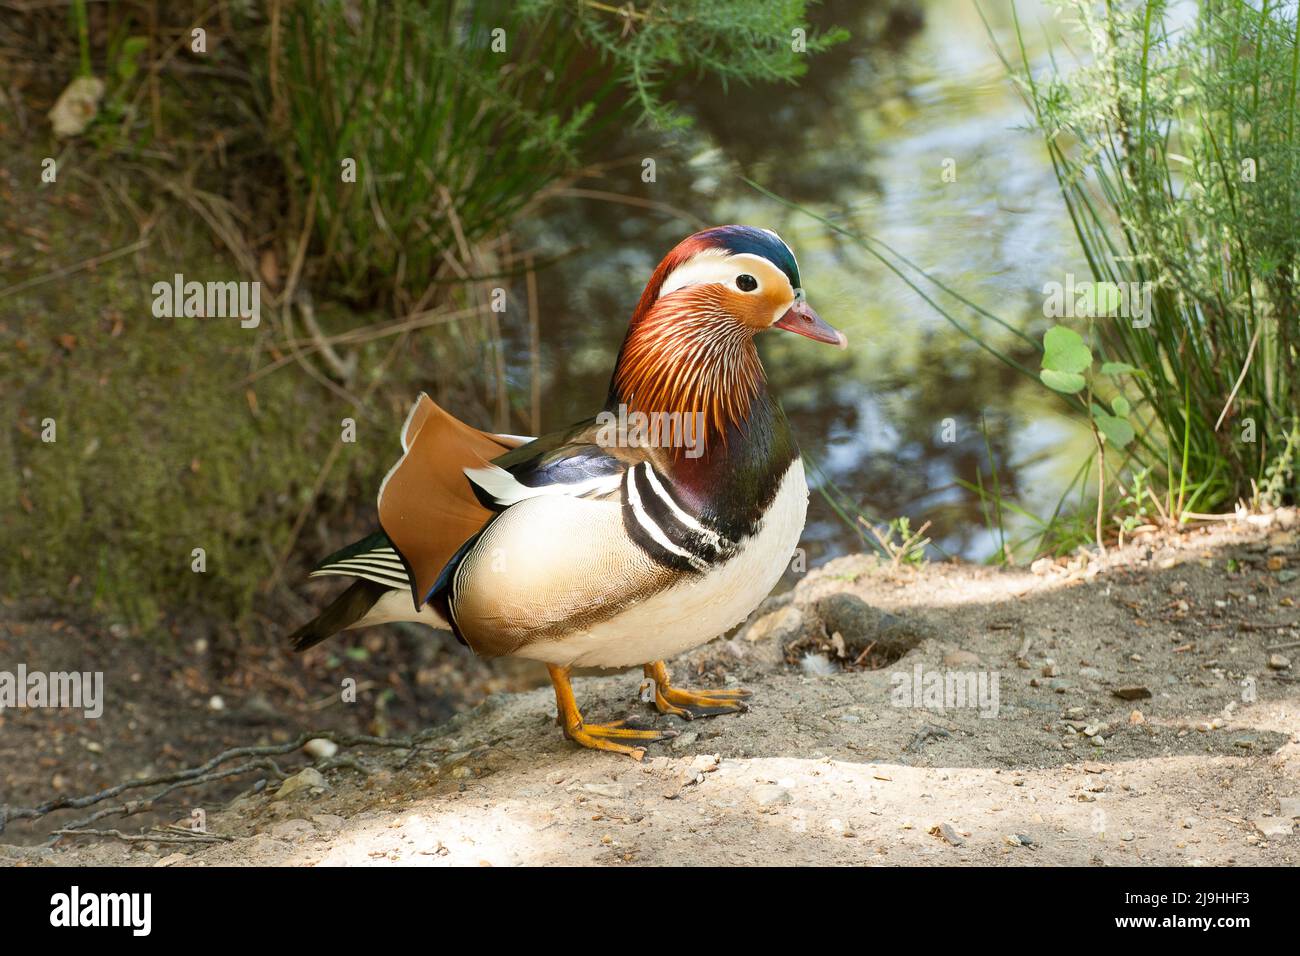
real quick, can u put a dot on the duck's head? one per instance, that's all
(689, 346)
(741, 275)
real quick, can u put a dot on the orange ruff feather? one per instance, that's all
(688, 356)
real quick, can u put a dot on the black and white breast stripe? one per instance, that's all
(665, 530)
(382, 565)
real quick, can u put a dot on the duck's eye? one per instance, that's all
(746, 282)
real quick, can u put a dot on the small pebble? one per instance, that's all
(319, 748)
(946, 833)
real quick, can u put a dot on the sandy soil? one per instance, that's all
(1144, 715)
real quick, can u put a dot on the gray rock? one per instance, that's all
(302, 781)
(860, 624)
(1132, 693)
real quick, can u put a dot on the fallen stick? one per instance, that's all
(148, 837)
(204, 773)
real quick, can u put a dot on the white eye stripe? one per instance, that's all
(716, 266)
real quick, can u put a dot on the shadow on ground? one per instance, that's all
(1145, 714)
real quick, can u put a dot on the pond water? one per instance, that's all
(914, 407)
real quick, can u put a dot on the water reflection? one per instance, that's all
(914, 406)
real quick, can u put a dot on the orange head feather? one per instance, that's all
(689, 349)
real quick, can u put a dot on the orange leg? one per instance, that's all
(687, 705)
(596, 736)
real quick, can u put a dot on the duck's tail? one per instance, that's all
(379, 594)
(346, 610)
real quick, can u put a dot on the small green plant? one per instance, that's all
(1136, 503)
(1281, 472)
(110, 130)
(899, 542)
(1067, 367)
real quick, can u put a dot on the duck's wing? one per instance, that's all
(571, 463)
(427, 508)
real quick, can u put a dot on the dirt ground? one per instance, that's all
(1146, 712)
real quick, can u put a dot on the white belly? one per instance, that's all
(693, 612)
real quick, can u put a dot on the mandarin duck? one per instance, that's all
(610, 543)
